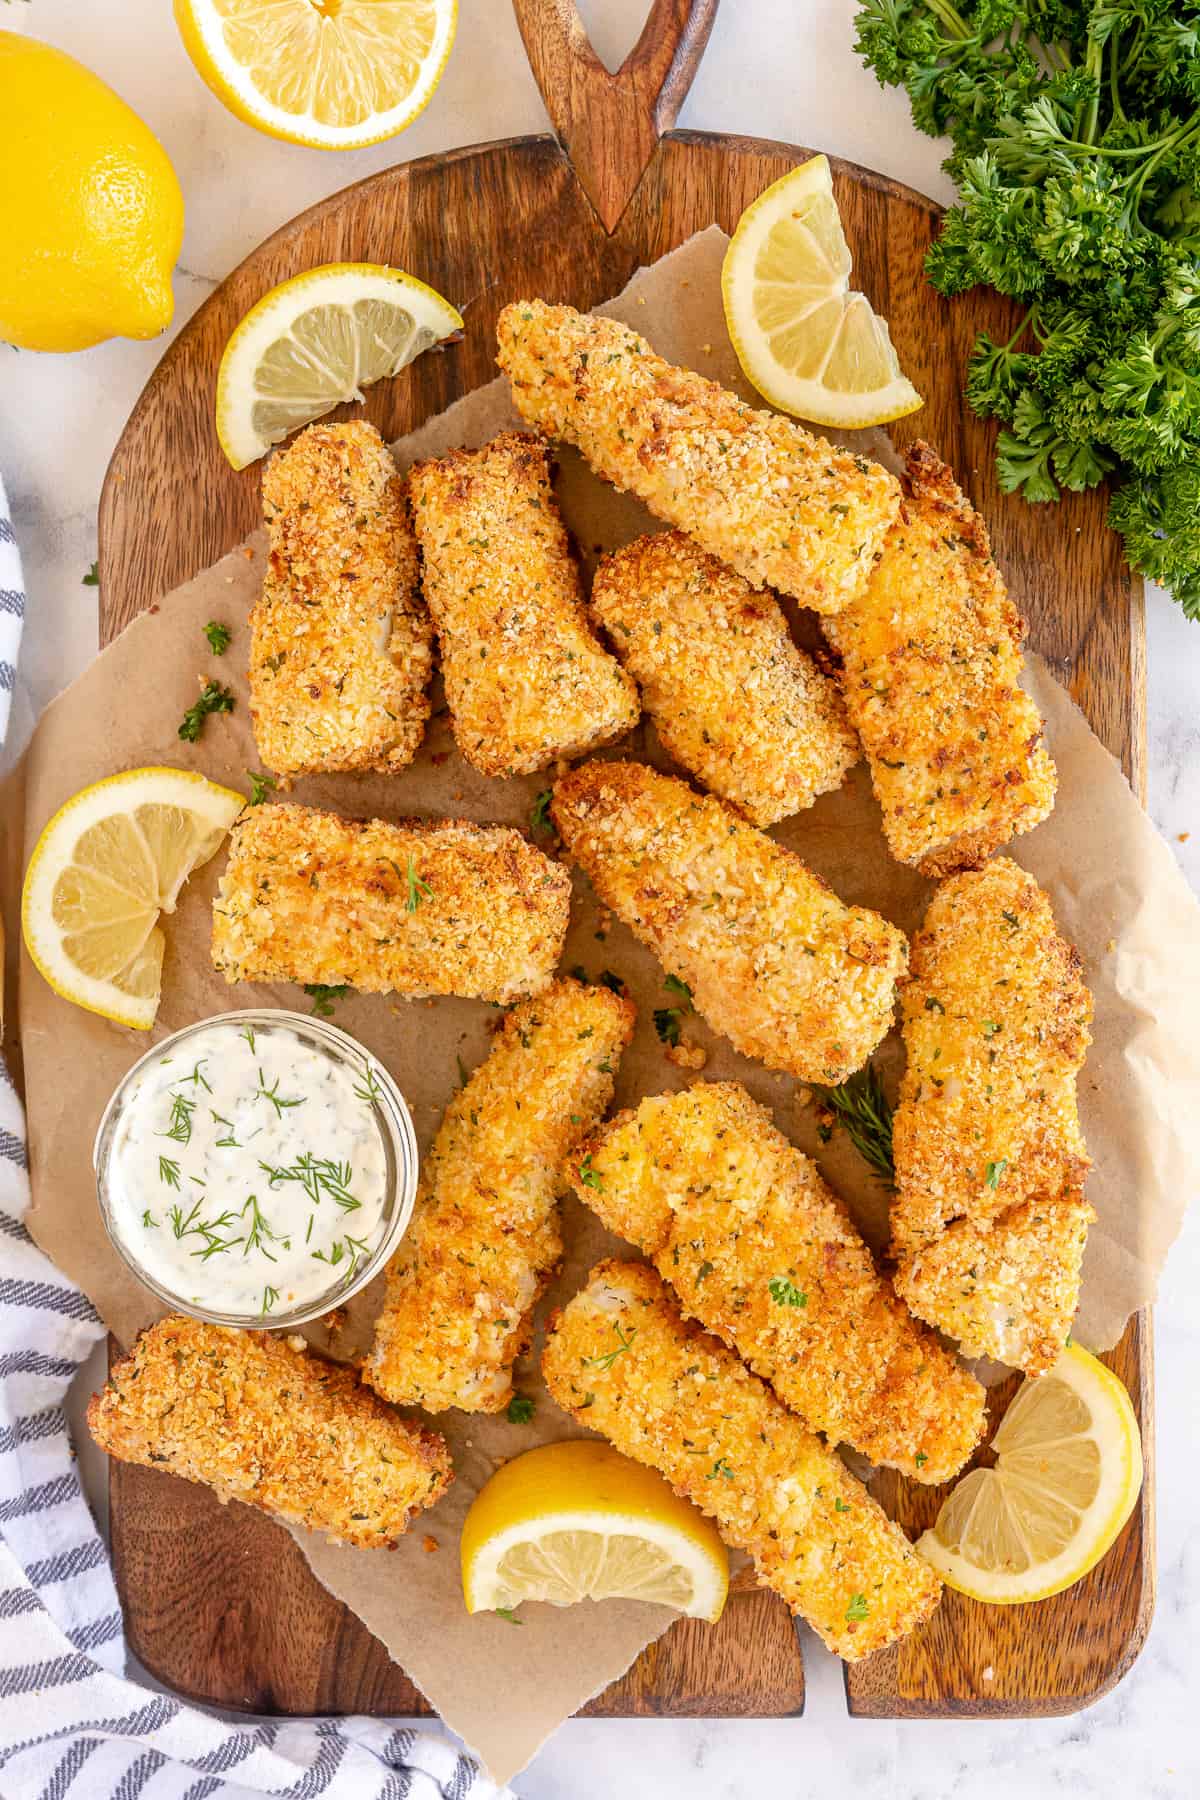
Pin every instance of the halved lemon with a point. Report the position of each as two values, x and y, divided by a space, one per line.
335 74
1068 1471
317 340
809 345
578 1521
108 863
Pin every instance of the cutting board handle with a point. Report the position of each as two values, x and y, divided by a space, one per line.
610 124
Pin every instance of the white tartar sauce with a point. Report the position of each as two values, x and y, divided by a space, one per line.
247 1172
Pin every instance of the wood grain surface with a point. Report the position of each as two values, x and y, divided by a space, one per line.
219 1603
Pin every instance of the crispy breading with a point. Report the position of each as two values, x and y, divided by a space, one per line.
765 1256
414 908
341 646
780 506
989 1219
526 680
732 698
485 1234
931 659
774 960
621 1359
259 1420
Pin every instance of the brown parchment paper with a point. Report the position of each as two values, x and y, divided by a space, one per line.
1116 890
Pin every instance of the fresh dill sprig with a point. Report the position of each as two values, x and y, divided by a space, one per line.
263 1092
259 1231
168 1171
862 1109
368 1088
180 1127
229 1141
317 1175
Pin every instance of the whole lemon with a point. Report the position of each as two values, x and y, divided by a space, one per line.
91 215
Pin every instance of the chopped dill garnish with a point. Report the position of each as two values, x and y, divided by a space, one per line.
418 890
180 1127
623 1343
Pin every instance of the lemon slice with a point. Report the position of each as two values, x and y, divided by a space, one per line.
578 1521
1068 1471
317 340
108 863
336 74
809 345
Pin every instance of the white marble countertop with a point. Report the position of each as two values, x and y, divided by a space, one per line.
775 68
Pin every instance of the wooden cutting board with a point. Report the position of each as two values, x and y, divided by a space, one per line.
219 1603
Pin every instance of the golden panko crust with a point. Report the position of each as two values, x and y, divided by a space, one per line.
764 1255
989 1219
780 506
485 1234
412 908
526 681
258 1420
931 661
621 1360
341 646
733 699
774 959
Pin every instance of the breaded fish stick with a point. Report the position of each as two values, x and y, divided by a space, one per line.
732 698
931 658
759 1250
256 1420
774 960
989 1221
780 506
621 1360
526 681
341 646
414 908
485 1235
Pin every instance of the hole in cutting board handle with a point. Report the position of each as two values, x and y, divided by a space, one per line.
609 124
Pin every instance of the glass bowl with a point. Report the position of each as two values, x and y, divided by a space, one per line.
397 1139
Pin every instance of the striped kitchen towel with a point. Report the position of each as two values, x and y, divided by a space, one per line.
71 1726
12 610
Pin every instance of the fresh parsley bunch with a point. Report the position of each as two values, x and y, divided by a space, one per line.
1076 133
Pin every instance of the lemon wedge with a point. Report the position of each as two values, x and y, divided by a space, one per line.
317 340
1068 1471
809 345
108 863
577 1521
336 74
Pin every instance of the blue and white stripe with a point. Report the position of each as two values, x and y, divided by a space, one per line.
12 610
71 1726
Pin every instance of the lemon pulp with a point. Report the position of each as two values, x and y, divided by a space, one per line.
108 864
575 1521
317 340
807 342
1068 1471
